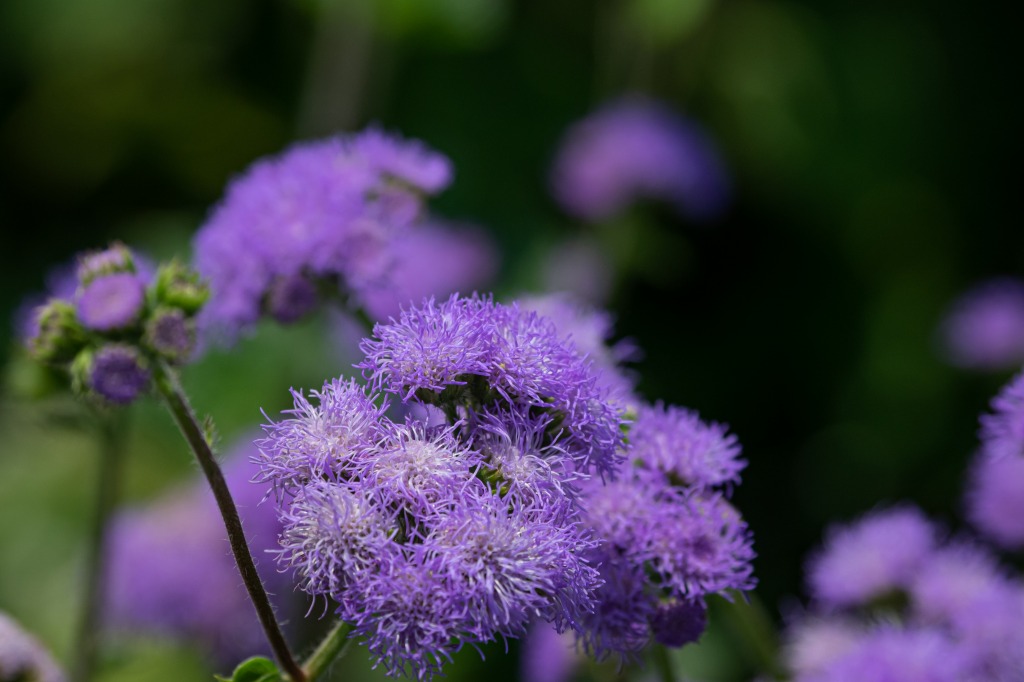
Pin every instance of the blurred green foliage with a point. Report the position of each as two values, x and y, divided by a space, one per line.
871 145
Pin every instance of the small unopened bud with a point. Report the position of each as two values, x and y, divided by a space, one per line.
111 302
171 334
117 373
179 286
59 336
679 621
110 261
289 299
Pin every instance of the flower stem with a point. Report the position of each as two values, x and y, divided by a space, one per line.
170 388
111 442
332 646
663 662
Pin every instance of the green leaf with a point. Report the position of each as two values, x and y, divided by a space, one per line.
255 669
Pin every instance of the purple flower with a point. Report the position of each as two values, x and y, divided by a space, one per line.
518 355
434 259
547 655
954 577
812 643
22 657
322 439
688 451
995 499
111 302
889 654
171 334
171 572
329 211
118 374
638 149
878 554
984 328
1002 433
679 621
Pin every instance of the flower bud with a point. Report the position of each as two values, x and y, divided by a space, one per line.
179 286
59 335
116 373
289 299
111 302
679 621
171 334
116 259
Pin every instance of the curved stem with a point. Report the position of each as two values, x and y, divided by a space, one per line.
332 646
663 663
170 388
111 443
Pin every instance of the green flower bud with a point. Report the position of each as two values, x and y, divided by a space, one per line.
179 286
60 336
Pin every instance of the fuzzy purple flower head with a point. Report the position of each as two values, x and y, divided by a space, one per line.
320 218
118 374
984 328
995 499
638 149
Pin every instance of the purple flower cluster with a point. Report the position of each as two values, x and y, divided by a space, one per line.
322 217
481 513
942 610
171 572
669 537
22 657
638 149
984 328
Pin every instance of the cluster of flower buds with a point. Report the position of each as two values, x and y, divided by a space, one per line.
121 320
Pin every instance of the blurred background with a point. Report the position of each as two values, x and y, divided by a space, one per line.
870 147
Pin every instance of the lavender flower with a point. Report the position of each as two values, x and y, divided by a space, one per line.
995 499
111 302
486 352
22 657
984 328
329 211
171 572
637 148
434 259
867 560
118 374
1002 433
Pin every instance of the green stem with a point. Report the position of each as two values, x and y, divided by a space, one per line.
89 626
663 663
750 622
170 388
332 647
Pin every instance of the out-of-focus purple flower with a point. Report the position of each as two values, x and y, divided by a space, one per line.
638 149
331 211
954 577
984 328
813 643
1002 433
118 374
870 558
111 302
547 655
433 259
995 499
171 571
890 654
24 658
679 621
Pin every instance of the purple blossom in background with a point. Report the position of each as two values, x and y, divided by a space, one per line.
995 499
330 211
171 572
1002 432
24 658
871 558
984 328
434 259
634 149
